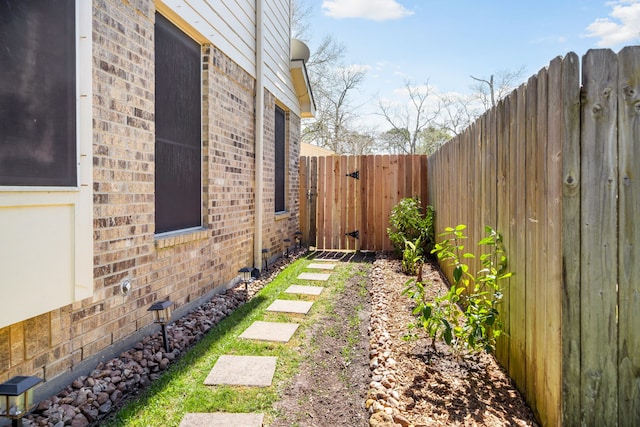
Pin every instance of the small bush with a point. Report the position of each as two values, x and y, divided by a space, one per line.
467 316
408 223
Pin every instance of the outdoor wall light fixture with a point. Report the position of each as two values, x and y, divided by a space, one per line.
246 276
16 398
265 259
286 245
161 314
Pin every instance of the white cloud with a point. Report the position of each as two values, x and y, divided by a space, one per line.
358 68
623 24
376 10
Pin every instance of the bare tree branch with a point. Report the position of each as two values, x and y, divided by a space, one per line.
498 86
409 120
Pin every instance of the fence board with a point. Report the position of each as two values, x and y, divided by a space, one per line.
374 202
571 238
366 202
382 213
371 202
424 180
517 251
343 212
405 175
629 236
475 141
304 199
598 234
531 233
504 204
553 238
336 208
321 204
354 201
313 202
542 352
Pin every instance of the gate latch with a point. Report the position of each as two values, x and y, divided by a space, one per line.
354 234
355 174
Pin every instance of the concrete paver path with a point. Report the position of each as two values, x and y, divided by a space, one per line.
270 331
242 370
321 277
290 306
220 419
304 290
322 266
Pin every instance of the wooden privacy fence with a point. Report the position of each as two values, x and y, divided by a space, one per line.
555 167
345 201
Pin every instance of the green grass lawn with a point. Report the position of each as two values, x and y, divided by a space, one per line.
181 390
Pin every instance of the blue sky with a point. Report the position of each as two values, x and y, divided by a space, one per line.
445 41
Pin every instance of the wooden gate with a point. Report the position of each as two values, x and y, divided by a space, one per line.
345 201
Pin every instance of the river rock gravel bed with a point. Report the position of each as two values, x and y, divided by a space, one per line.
413 386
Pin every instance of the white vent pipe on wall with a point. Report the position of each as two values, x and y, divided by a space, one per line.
259 134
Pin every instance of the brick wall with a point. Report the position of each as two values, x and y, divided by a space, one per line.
183 267
283 225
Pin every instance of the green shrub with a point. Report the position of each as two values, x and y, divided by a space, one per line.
408 223
467 316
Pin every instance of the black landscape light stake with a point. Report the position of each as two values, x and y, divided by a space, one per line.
265 259
298 235
246 277
16 398
286 241
161 314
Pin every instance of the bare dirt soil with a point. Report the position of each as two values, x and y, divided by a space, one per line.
387 381
331 386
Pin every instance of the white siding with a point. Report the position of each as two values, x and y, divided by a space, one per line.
230 25
277 53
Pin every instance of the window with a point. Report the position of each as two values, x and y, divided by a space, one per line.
46 137
178 129
280 161
37 93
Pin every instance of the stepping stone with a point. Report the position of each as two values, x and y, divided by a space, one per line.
304 290
322 266
322 277
270 331
243 370
221 419
289 306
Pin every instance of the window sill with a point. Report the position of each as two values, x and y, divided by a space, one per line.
282 215
175 238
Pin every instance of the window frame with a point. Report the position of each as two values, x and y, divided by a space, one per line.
280 208
80 120
186 33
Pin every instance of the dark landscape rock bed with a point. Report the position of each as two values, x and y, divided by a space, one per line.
91 398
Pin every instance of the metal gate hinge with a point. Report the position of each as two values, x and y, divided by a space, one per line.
354 234
355 174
